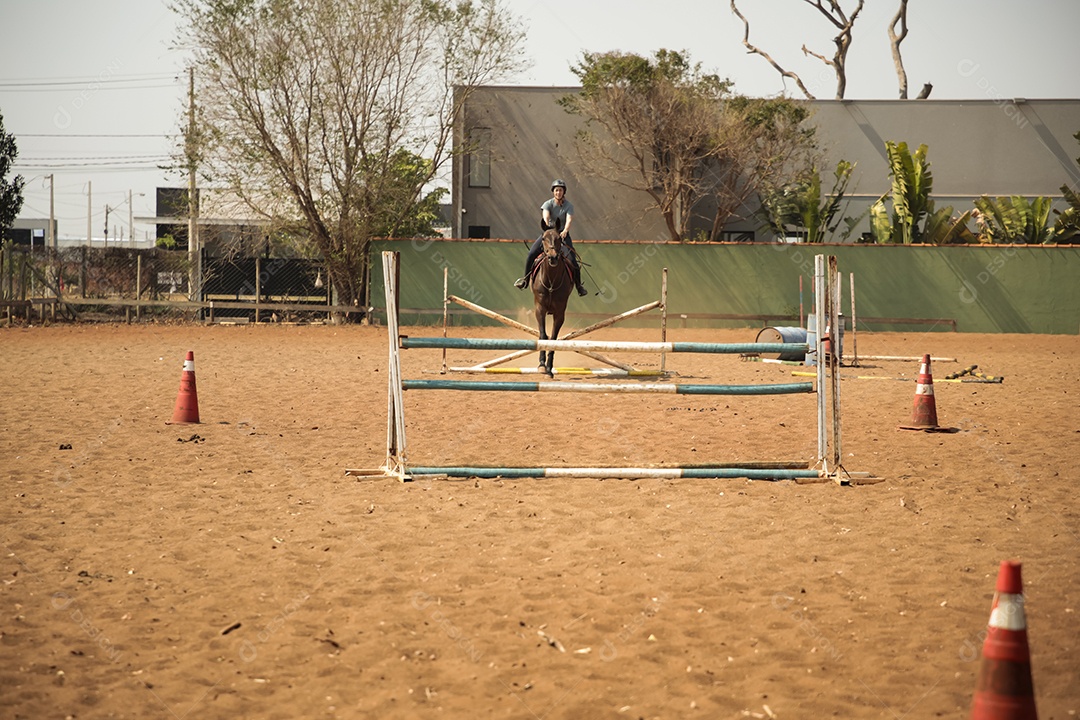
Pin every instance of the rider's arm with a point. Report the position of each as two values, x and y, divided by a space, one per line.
566 225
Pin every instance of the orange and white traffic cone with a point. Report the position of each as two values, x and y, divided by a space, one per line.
924 408
187 400
1003 689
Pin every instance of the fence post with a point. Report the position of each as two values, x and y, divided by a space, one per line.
329 299
138 286
258 286
82 274
57 274
5 280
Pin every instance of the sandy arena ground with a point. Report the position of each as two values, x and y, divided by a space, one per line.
231 570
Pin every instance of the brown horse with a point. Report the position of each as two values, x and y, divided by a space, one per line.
552 281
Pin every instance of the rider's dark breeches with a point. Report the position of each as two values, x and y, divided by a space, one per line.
538 247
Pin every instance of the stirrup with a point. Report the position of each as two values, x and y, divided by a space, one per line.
521 282
581 291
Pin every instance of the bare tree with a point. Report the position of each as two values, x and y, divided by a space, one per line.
766 141
894 43
664 127
650 126
329 117
843 22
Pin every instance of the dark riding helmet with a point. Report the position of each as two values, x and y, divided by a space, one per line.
558 183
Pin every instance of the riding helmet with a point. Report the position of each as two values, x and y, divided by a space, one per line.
558 183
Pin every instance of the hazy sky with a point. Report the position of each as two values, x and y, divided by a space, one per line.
95 93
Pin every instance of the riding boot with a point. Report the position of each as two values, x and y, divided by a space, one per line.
581 291
522 282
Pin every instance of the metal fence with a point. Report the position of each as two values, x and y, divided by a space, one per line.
124 284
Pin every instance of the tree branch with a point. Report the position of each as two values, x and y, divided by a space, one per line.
894 42
757 51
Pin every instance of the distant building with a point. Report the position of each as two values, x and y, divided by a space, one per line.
30 232
222 227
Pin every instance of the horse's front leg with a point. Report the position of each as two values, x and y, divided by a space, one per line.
541 325
556 325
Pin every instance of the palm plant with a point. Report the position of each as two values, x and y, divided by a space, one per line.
800 205
912 183
1015 219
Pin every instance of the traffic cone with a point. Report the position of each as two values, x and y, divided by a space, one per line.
1003 689
924 409
187 400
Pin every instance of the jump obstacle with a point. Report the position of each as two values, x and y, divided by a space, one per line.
616 369
826 466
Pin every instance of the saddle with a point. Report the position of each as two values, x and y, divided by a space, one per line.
567 266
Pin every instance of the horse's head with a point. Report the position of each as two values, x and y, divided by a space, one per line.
552 243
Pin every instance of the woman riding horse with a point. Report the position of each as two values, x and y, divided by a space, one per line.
551 289
557 214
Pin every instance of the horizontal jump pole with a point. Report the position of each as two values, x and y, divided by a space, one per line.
659 388
617 472
574 345
601 372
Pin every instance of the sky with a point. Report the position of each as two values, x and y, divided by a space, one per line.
95 92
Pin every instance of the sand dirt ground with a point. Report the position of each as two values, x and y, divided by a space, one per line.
231 570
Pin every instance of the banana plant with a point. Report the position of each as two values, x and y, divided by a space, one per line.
800 205
912 183
911 186
1067 225
1015 219
881 227
942 228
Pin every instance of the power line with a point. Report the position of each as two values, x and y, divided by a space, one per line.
76 87
93 157
86 135
98 80
105 165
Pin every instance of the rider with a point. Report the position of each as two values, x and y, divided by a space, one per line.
558 213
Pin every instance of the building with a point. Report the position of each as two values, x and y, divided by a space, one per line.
519 139
31 232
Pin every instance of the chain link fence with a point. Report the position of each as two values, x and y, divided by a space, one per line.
126 284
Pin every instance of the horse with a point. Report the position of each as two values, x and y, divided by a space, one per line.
552 281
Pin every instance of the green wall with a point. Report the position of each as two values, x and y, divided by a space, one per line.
990 289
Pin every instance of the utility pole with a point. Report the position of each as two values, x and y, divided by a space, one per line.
194 254
52 214
106 226
89 215
131 220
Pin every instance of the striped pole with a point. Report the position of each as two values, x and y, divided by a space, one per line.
631 473
658 388
408 343
599 372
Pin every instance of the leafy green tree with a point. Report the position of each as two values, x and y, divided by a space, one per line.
328 118
11 196
167 242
